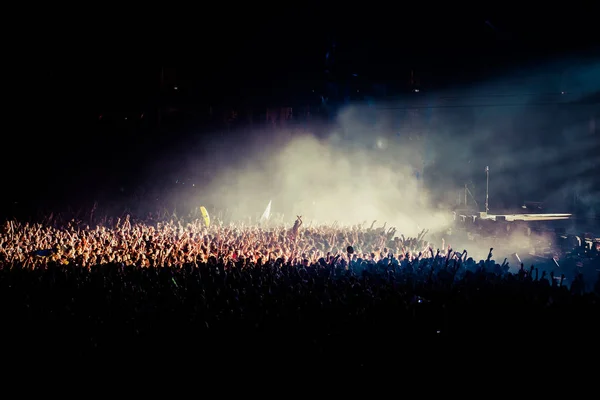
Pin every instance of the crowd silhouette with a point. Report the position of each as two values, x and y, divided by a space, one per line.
271 293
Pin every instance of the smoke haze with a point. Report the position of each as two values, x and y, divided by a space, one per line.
325 182
535 129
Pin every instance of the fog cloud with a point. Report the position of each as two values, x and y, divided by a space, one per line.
407 161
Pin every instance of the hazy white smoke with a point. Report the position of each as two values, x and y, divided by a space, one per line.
363 167
348 176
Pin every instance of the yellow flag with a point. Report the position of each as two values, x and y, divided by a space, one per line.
205 216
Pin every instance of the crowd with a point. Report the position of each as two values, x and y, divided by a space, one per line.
283 293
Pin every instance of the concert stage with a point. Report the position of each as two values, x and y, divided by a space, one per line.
524 217
506 224
474 218
562 226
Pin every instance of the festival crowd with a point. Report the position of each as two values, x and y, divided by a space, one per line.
271 291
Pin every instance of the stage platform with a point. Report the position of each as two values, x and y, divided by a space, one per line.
562 224
482 216
525 217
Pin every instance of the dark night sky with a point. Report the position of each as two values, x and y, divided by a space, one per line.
112 61
71 71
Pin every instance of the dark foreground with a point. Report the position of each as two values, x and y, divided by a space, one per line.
278 316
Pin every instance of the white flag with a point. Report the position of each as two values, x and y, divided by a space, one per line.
267 213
